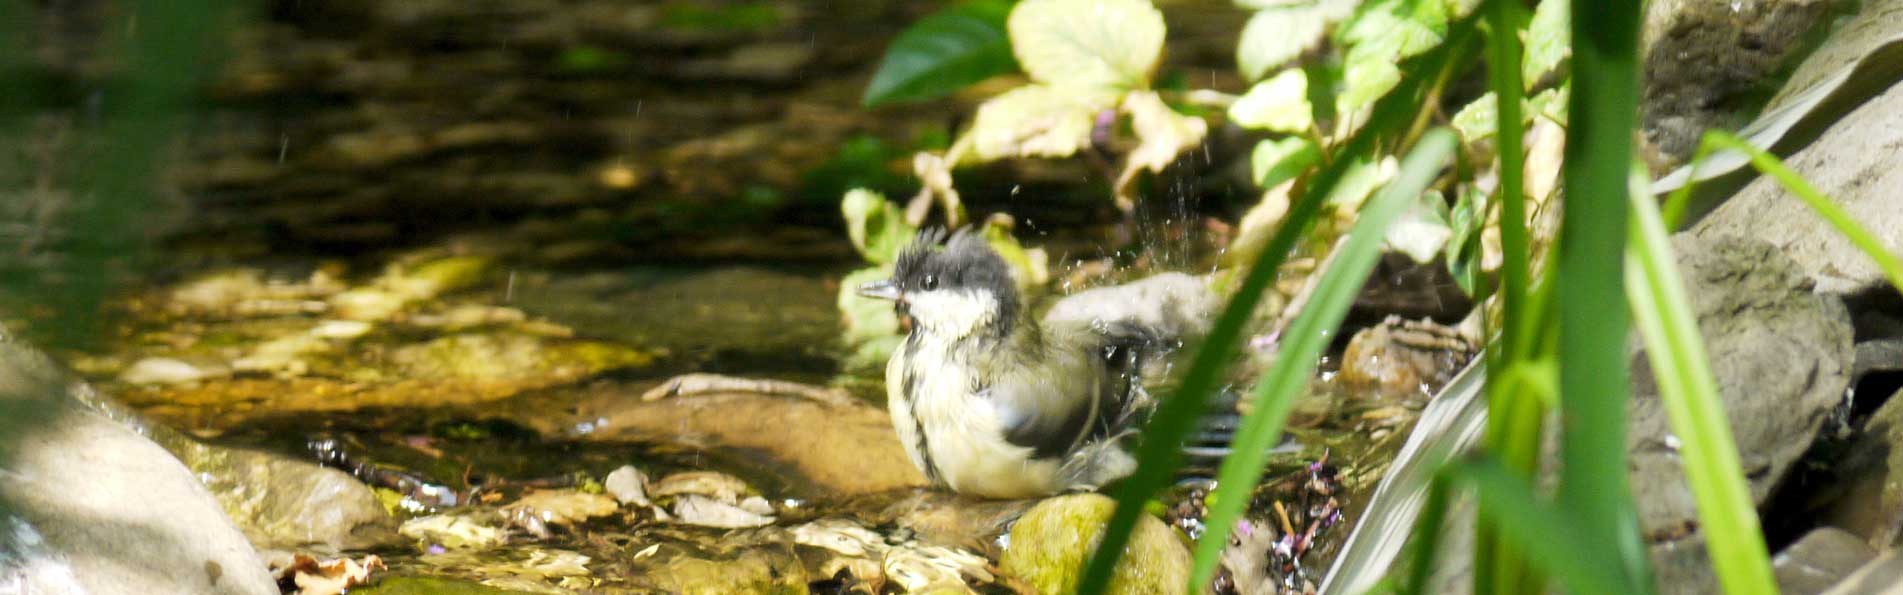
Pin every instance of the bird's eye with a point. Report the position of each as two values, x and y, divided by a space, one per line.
930 283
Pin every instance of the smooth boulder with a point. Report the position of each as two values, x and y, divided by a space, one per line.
89 506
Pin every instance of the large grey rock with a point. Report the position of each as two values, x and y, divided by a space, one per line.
1781 355
89 506
1855 164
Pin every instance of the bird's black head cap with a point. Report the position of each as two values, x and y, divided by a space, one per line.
963 262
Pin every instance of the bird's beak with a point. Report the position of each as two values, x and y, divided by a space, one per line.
882 289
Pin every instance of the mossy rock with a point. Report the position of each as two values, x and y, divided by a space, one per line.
1051 541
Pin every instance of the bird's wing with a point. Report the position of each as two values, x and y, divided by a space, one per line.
1050 409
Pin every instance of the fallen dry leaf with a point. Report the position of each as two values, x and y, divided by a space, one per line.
332 577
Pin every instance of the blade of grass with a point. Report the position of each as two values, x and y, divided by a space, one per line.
1592 336
1519 422
1887 261
109 222
1311 332
1554 541
1690 394
1159 455
1503 65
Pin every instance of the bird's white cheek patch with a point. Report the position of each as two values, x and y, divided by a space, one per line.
952 313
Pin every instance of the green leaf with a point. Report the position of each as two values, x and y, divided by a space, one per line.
1393 30
1362 177
1467 220
1478 120
1380 36
1312 331
1548 40
1278 161
1550 104
876 226
1102 44
1276 35
871 326
1036 121
1366 81
1279 104
944 52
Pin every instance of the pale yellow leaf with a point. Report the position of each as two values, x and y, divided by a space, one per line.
1032 121
1279 104
1087 43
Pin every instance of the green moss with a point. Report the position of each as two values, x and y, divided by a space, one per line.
418 585
1051 541
445 275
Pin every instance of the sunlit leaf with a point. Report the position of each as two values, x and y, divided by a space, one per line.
1358 182
944 52
1423 231
1366 81
1276 35
1379 36
1478 120
1279 104
1113 44
1393 30
876 226
1548 40
1276 161
1550 104
1036 121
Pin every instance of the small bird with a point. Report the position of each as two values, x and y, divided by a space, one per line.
993 403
